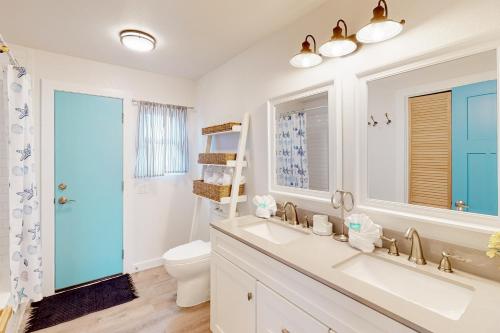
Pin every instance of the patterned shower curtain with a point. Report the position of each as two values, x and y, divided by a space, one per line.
291 150
24 240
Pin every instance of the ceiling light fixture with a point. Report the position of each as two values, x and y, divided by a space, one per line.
137 40
380 27
339 45
306 58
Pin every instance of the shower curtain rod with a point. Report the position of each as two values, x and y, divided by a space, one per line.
4 48
137 101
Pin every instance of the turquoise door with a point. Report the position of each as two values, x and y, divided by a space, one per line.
474 147
88 188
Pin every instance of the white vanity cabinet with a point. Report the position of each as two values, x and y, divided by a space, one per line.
277 315
253 293
234 292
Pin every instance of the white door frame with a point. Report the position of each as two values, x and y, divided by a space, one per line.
47 195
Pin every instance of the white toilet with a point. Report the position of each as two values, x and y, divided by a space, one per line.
190 265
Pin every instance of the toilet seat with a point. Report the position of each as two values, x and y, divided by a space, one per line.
188 253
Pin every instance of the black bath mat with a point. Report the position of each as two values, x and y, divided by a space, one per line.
78 302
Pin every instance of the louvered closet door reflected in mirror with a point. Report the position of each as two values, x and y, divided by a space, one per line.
429 139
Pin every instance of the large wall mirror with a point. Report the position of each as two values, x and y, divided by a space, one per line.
303 151
431 135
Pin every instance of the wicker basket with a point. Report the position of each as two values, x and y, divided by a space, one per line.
219 128
212 191
216 158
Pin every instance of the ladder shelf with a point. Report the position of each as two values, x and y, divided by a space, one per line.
238 164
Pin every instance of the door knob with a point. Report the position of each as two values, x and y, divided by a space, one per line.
63 200
461 205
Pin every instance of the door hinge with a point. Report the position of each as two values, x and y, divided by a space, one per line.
123 186
123 254
123 117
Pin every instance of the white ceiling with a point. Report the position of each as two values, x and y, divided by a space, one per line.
194 36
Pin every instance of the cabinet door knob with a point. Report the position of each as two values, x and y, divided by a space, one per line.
249 296
285 331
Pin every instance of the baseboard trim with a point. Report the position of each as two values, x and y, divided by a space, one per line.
147 264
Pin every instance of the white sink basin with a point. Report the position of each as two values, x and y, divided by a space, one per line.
445 297
275 232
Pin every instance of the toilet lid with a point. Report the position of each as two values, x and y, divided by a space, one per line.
188 253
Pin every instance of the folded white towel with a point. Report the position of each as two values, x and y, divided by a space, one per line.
363 233
266 206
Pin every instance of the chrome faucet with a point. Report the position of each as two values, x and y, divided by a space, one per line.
294 220
416 252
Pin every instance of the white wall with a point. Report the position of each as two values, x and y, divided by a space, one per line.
157 213
262 72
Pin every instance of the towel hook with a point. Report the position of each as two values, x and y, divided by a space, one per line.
373 122
388 119
338 200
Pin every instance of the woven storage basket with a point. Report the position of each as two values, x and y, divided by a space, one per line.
212 191
219 128
216 158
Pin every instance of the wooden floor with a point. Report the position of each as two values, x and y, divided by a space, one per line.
154 311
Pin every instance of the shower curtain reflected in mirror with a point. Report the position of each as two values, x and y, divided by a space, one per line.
25 253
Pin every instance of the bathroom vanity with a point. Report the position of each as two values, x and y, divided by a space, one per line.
267 276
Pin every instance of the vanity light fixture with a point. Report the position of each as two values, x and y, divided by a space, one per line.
137 40
380 27
306 58
339 44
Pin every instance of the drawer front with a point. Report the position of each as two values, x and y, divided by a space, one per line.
276 315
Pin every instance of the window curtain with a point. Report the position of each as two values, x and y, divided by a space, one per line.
24 215
162 143
291 150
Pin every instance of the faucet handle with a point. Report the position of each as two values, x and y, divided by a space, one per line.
445 263
393 247
306 223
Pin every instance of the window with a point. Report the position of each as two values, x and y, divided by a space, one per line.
162 143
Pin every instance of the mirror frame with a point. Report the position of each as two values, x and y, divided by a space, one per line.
334 143
462 220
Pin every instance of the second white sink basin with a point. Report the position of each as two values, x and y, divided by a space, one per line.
275 232
445 297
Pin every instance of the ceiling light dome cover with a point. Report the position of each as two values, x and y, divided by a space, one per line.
137 40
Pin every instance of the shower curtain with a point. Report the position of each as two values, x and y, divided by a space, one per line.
24 216
291 150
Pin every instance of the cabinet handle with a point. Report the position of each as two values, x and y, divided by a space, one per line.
249 296
285 331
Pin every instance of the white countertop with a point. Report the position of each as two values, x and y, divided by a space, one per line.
315 257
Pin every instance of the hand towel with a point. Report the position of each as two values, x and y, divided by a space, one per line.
266 206
363 233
